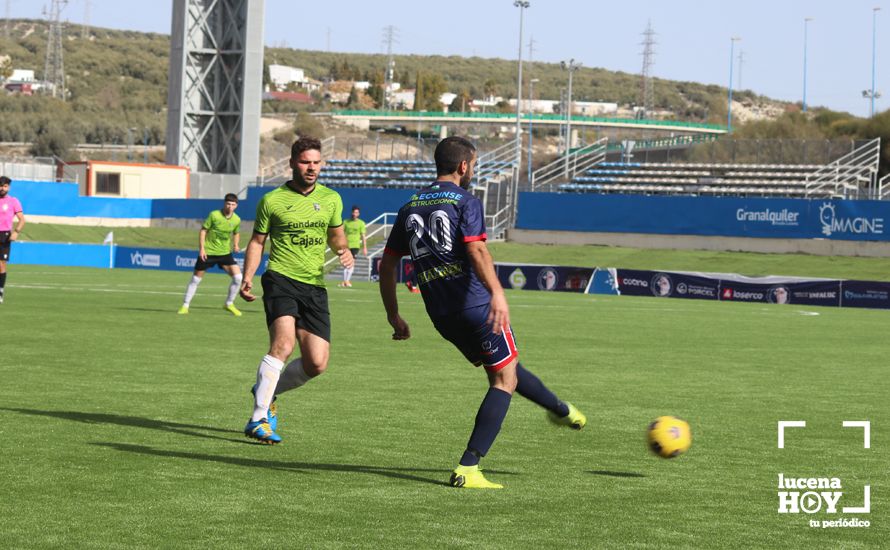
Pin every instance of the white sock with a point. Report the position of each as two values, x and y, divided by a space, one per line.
292 377
190 290
266 378
347 273
233 288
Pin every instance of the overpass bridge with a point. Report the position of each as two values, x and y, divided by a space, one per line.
403 117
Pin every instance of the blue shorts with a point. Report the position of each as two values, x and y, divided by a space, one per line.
469 331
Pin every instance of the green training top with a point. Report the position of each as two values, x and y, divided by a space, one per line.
354 230
218 241
298 225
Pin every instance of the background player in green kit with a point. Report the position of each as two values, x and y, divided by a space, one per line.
355 238
216 240
299 218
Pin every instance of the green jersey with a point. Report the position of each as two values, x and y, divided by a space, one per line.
298 225
220 229
354 230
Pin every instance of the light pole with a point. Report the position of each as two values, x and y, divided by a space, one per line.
732 42
531 98
806 22
522 5
874 26
570 66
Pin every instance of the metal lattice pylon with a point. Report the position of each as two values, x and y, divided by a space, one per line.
216 61
647 100
54 68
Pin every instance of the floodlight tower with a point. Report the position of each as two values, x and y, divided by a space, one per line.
648 61
522 5
732 42
215 92
806 25
874 40
54 67
571 66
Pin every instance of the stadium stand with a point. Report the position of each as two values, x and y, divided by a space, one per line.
761 180
852 175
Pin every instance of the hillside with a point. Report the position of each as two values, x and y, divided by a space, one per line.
118 80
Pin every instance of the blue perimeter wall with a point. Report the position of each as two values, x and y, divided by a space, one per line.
40 198
855 220
707 216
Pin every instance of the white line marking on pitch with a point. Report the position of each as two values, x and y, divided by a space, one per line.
120 291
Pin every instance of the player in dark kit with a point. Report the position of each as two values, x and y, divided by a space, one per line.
443 229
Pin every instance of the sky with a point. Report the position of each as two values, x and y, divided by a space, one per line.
693 36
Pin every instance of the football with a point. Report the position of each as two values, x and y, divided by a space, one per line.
669 436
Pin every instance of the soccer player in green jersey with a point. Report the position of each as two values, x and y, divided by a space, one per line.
299 218
355 238
218 237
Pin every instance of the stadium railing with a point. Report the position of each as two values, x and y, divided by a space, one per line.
568 166
849 175
383 224
555 118
32 169
883 188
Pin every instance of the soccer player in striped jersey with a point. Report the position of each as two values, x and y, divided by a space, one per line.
442 227
299 218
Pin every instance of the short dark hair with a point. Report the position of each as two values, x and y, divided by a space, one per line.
231 197
4 180
355 207
305 143
450 152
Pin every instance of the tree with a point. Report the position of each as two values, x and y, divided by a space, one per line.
489 88
51 141
430 88
5 68
375 91
461 101
353 101
308 125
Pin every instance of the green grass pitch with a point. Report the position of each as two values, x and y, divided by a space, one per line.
121 423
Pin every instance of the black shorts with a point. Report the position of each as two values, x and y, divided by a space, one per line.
354 252
308 304
5 245
224 260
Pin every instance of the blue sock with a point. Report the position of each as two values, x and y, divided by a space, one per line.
488 423
531 388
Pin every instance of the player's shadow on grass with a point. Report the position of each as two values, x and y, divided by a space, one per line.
608 473
385 471
133 421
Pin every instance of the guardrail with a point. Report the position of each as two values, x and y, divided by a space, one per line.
665 143
883 191
566 167
385 225
844 178
554 118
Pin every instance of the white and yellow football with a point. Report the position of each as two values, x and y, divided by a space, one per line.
669 436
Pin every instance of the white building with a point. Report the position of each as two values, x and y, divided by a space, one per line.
580 108
21 75
282 75
403 99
